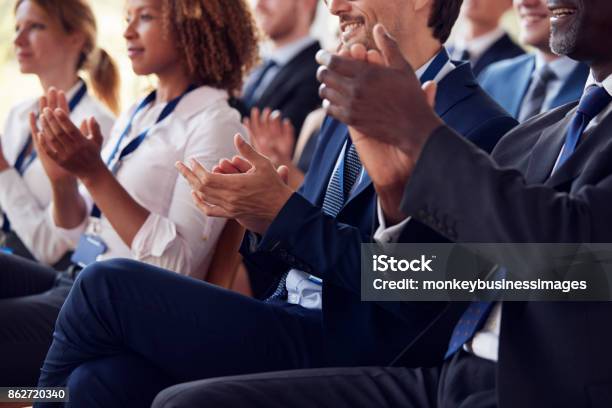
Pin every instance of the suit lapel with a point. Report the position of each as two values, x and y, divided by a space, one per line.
287 72
521 77
577 161
455 87
546 151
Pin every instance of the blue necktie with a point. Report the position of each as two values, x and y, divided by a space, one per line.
339 189
249 93
593 102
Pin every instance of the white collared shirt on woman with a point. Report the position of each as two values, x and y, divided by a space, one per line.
25 199
176 235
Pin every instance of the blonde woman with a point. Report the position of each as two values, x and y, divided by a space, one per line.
56 41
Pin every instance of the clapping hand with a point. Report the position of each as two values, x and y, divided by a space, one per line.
271 135
365 89
247 188
64 148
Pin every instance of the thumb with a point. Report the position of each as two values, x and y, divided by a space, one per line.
430 88
283 172
247 151
389 48
95 132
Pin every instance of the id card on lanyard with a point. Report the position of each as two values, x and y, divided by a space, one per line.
91 246
28 153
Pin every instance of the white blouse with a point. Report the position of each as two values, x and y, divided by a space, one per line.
25 198
176 235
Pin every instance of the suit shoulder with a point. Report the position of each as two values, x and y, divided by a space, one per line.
525 135
501 69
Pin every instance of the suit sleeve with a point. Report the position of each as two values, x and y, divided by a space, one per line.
331 252
482 202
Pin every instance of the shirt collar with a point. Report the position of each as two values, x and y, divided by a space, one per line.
478 46
286 53
607 83
198 100
445 70
562 67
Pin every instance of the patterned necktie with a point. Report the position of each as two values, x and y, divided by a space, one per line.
249 93
338 190
594 100
536 95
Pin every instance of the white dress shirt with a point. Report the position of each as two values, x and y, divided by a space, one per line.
25 198
478 46
305 290
176 236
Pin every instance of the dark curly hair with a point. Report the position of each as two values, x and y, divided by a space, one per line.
217 39
444 14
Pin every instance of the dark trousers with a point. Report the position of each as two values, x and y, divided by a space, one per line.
31 296
128 330
465 381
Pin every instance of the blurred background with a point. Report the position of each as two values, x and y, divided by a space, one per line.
15 87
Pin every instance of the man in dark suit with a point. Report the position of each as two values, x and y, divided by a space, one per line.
530 84
482 41
309 321
549 180
286 80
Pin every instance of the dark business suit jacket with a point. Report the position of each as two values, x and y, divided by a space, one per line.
508 82
502 49
302 237
294 91
550 354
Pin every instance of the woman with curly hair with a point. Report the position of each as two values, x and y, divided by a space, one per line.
132 202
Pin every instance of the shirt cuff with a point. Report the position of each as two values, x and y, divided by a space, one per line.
153 237
384 234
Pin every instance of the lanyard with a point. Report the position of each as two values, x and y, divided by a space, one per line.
24 160
135 144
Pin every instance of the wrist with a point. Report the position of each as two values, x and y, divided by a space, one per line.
390 202
413 146
95 176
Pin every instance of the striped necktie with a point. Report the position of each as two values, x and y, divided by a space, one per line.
339 189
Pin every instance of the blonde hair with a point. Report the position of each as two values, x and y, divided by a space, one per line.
76 16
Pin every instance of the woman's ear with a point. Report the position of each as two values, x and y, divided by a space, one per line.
76 41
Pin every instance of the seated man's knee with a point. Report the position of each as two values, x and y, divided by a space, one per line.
205 393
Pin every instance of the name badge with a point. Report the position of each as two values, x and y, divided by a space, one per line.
89 249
